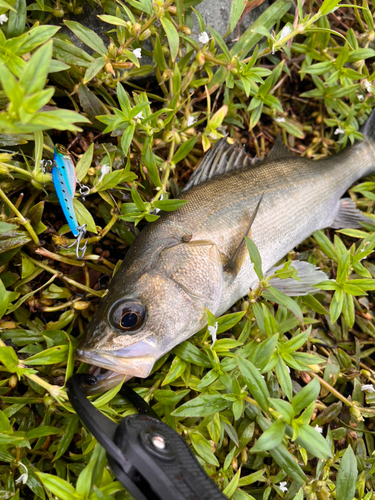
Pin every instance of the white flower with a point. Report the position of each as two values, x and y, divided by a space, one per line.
104 171
285 32
203 37
281 119
213 331
339 131
360 97
137 53
23 477
367 85
138 115
213 135
283 486
367 388
318 429
191 120
3 18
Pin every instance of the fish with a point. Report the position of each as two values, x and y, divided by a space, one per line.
64 180
195 258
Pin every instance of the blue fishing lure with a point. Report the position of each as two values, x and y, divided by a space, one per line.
65 180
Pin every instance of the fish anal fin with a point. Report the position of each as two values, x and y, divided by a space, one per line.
308 274
348 216
239 256
279 150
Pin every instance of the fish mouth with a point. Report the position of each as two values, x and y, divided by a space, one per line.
135 360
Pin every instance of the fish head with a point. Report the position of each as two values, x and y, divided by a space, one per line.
152 304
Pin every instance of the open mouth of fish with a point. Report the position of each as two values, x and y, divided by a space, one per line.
135 360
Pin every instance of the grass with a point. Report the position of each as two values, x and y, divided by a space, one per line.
303 71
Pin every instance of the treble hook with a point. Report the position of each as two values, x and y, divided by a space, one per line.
80 251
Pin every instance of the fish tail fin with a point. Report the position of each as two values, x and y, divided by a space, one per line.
368 129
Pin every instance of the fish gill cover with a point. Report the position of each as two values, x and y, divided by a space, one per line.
276 397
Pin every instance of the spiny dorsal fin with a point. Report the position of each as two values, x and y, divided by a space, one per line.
221 158
279 150
238 258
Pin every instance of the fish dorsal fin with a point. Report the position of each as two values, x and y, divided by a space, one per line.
220 159
238 258
279 150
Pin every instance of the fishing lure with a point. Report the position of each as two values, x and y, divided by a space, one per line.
65 181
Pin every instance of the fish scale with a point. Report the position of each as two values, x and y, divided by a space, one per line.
179 265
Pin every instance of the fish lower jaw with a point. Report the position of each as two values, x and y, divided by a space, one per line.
137 367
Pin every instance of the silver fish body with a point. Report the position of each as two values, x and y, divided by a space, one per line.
178 266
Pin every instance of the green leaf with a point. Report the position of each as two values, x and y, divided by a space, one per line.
190 353
313 442
85 479
172 35
284 408
127 138
93 69
59 487
88 37
221 43
66 439
17 19
4 301
325 244
283 376
271 438
343 268
9 358
184 150
57 354
347 476
254 257
275 295
255 382
306 396
34 76
84 163
228 321
84 216
169 205
237 8
45 430
202 406
149 161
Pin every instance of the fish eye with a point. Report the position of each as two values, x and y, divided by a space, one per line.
127 315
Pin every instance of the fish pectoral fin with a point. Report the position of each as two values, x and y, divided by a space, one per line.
279 150
307 273
237 260
348 216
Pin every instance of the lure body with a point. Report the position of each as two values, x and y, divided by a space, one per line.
64 179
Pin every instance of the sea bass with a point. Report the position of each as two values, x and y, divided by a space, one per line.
195 258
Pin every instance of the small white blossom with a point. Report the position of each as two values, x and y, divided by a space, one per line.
23 477
283 486
360 97
339 131
367 85
318 429
191 120
285 32
281 119
138 115
203 37
367 388
138 53
213 135
212 330
3 18
104 171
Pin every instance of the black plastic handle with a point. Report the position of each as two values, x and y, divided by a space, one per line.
149 458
